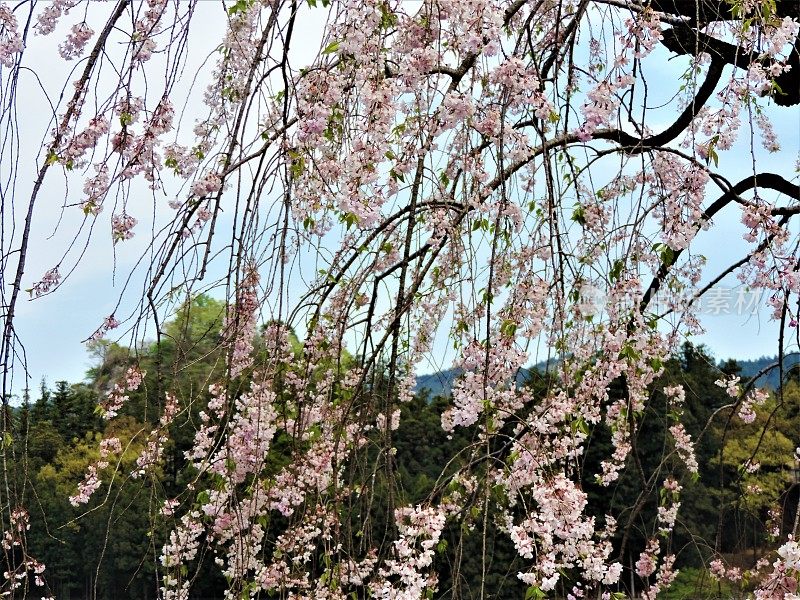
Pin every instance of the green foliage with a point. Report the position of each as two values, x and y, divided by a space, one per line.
773 452
121 528
111 530
696 584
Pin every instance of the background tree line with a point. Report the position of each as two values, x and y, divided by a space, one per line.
107 548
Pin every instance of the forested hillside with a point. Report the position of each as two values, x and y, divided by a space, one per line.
762 369
107 546
771 376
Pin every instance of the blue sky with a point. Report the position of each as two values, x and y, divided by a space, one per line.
53 327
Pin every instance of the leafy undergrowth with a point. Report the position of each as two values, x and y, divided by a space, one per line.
697 584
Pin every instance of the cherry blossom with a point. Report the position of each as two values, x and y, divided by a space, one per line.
10 39
73 46
475 184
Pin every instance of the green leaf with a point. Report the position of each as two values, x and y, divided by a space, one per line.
616 270
331 48
349 219
508 328
480 224
298 165
629 351
388 18
578 215
712 154
580 425
534 593
240 7
666 253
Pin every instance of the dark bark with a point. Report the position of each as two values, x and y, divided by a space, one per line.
716 10
683 39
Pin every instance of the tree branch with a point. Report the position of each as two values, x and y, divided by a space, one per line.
762 180
686 40
638 145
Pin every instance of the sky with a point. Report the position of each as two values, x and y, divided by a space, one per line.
53 327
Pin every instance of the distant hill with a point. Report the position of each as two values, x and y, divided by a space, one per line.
440 383
437 384
750 368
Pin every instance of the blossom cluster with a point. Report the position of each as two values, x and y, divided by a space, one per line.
239 326
109 323
91 479
118 395
48 19
19 571
47 283
420 529
154 446
10 38
122 226
76 41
